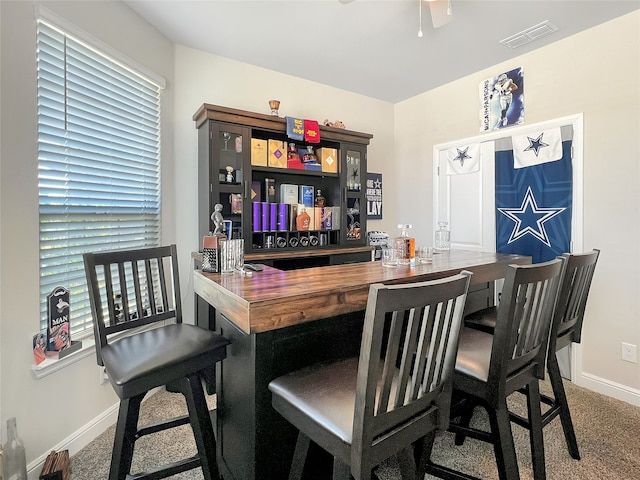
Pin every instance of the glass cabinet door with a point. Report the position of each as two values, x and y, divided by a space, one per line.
353 221
353 171
228 168
230 153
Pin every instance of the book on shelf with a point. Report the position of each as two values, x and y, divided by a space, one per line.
306 195
288 193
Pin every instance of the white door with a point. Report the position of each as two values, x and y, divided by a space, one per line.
466 202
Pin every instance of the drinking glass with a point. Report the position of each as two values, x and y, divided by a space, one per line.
238 254
425 255
389 257
226 256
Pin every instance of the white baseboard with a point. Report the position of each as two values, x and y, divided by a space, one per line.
77 440
599 384
609 388
81 437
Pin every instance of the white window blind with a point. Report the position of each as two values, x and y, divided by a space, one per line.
98 163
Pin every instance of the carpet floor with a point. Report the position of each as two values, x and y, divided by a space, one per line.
607 432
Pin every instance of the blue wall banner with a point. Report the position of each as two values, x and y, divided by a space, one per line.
534 202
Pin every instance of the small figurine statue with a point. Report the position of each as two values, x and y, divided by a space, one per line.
336 124
229 170
218 220
274 105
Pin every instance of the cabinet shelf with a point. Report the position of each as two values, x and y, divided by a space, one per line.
293 171
220 128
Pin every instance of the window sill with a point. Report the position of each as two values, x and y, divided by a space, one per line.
52 365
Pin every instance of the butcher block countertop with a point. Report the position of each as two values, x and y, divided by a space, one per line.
273 299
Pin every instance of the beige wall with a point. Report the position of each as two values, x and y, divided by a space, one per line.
56 409
580 74
575 75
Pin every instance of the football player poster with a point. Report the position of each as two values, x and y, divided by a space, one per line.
502 100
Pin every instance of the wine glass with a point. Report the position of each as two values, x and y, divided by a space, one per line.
227 137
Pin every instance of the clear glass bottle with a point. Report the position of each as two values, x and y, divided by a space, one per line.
405 246
443 237
14 460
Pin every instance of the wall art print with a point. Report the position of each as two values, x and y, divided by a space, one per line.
502 100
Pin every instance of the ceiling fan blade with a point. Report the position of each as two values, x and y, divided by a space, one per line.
441 13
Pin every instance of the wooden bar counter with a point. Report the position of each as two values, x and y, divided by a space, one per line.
279 321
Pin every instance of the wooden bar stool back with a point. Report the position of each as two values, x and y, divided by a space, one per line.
489 368
566 329
365 410
143 344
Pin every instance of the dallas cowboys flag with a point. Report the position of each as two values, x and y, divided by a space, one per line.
464 159
537 148
534 198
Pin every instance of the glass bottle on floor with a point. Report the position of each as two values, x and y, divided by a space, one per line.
14 460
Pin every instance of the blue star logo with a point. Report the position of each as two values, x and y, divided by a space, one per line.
530 219
536 144
462 156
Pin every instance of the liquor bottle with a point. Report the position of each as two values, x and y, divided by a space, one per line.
405 246
14 461
292 153
442 237
309 157
303 220
320 200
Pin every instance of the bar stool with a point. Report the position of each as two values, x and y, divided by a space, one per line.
489 368
566 329
130 289
365 410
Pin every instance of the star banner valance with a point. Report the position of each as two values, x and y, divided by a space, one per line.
464 159
537 148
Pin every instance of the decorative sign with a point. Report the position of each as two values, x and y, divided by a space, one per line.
502 100
374 196
58 332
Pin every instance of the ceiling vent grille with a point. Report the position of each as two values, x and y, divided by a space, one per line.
530 34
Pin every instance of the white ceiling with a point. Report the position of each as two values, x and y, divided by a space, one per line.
370 47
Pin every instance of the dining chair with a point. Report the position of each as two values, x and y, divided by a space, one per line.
489 368
566 329
142 344
364 410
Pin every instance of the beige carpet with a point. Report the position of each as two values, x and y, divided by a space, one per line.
608 434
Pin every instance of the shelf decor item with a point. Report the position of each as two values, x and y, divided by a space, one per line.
274 105
229 177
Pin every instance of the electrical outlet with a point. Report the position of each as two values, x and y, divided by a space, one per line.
104 378
629 352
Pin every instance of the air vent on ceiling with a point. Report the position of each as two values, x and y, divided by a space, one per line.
530 34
